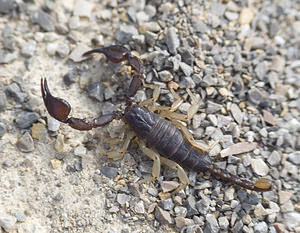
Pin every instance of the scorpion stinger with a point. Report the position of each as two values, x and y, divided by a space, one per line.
117 54
59 109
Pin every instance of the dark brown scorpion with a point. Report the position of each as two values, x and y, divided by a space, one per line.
154 131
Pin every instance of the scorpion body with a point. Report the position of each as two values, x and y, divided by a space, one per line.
157 133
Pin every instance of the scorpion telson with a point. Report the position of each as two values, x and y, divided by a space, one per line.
155 132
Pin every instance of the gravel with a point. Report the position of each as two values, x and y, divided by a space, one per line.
240 59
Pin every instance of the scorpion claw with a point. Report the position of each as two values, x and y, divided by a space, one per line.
58 108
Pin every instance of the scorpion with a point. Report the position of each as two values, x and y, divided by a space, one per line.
158 136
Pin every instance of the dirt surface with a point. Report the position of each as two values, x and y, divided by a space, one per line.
56 180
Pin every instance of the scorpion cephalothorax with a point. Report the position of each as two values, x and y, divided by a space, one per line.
164 137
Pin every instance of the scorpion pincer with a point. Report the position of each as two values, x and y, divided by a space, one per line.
155 132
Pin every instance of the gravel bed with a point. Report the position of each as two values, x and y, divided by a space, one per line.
240 58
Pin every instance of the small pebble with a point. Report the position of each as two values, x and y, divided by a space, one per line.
212 223
294 157
16 93
59 143
172 40
223 223
109 172
28 48
125 33
76 54
53 124
182 222
259 167
39 131
274 158
7 222
25 143
139 207
246 16
82 8
20 216
237 113
163 216
25 120
168 186
238 148
3 101
43 19
122 198
80 151
269 118
2 130
55 163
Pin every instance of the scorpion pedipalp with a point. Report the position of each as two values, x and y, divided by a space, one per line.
59 109
117 54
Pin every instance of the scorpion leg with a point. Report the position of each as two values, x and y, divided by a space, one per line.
59 109
156 162
121 152
190 138
117 54
180 171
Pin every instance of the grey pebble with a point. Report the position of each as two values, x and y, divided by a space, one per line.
172 40
212 225
125 33
294 157
212 107
223 222
159 61
76 54
187 82
74 23
122 198
43 19
237 227
190 205
186 55
21 217
25 143
28 48
180 211
199 25
255 96
25 120
108 93
274 158
139 207
261 227
71 76
163 216
96 90
7 222
209 80
6 6
2 129
291 219
187 70
61 29
152 191
237 113
53 124
203 206
165 76
166 204
63 50
3 101
109 172
14 91
6 57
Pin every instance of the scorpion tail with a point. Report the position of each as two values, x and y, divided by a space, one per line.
261 185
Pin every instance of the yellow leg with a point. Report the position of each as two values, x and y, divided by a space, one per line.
156 162
190 138
120 153
155 95
180 171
